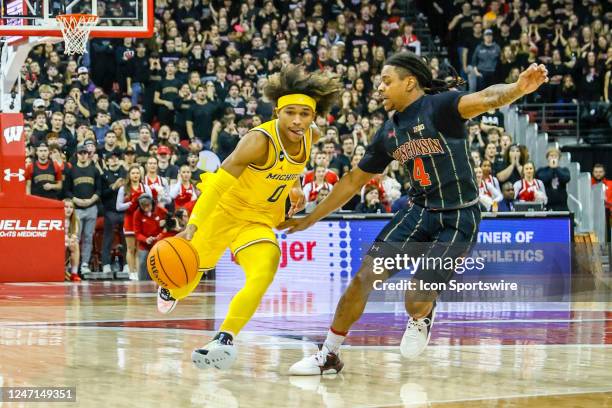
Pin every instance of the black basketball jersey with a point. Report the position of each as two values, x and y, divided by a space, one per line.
429 138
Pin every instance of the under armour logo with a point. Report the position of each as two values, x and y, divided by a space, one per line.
281 156
13 134
375 248
391 134
20 174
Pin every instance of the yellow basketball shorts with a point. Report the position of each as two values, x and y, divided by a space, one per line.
223 230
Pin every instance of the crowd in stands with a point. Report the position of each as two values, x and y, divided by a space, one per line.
119 135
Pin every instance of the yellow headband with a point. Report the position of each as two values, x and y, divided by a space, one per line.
296 99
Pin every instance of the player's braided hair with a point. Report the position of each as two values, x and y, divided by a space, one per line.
418 67
293 79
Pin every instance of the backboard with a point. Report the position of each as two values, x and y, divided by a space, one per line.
36 18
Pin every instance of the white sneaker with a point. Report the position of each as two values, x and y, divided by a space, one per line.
165 302
85 269
323 362
219 353
106 269
417 334
126 269
133 276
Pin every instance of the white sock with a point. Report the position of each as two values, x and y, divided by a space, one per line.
333 341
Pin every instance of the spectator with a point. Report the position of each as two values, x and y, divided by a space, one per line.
475 140
158 185
133 124
321 159
127 202
167 170
484 61
514 159
44 176
84 188
507 202
184 194
110 145
112 180
530 189
341 164
487 176
311 189
149 220
192 161
372 202
71 239
489 195
165 95
555 181
201 115
599 176
142 147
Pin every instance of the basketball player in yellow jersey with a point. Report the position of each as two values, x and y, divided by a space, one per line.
245 199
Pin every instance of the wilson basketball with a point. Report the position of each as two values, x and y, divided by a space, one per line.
173 263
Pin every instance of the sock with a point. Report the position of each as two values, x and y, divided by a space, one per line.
74 270
334 340
225 338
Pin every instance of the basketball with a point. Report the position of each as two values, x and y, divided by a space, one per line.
173 263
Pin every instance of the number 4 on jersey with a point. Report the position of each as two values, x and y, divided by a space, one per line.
419 173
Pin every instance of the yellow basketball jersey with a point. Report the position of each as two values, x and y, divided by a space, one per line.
261 191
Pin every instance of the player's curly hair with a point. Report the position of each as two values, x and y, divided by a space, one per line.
410 63
293 79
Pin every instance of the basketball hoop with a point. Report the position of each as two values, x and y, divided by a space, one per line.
75 29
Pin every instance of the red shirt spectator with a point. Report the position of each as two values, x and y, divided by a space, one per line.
330 177
148 226
184 193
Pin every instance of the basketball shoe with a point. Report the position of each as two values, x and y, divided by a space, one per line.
165 302
417 334
323 362
220 353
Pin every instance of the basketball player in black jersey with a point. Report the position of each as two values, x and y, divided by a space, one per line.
427 135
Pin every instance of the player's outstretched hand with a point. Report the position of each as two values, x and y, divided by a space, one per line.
298 201
190 229
530 79
294 225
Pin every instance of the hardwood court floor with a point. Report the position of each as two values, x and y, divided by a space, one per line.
108 340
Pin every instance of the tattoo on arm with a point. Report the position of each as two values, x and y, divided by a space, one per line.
500 95
492 97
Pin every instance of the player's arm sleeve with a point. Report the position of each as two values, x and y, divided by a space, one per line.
447 119
376 159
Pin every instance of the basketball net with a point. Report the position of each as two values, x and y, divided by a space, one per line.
75 29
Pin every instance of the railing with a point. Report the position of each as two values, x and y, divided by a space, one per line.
556 119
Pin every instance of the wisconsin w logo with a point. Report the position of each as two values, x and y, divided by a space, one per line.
13 134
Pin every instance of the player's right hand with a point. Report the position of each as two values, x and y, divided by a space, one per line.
294 225
187 234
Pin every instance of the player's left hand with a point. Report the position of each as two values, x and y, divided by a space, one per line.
530 79
298 201
294 225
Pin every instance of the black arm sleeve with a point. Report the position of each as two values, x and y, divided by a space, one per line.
376 158
447 119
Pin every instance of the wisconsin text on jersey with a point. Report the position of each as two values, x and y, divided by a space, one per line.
418 147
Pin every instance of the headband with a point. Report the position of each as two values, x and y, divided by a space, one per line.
296 99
